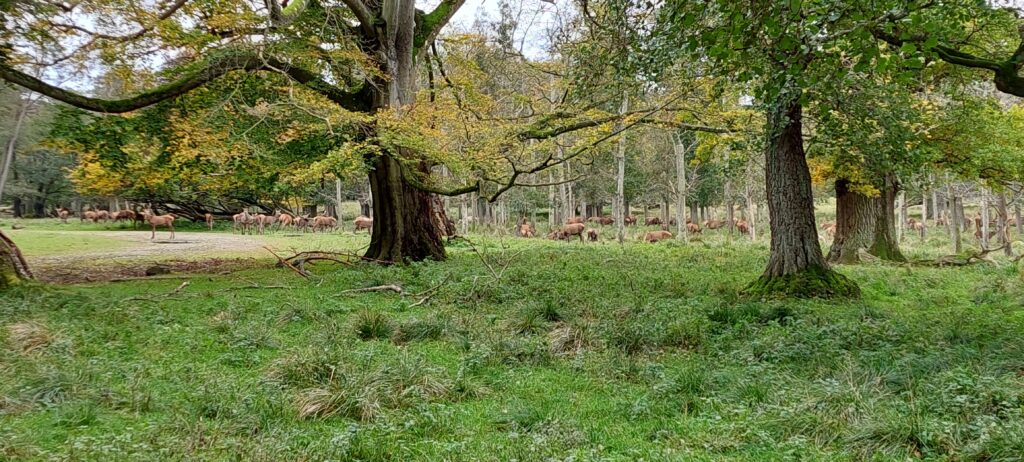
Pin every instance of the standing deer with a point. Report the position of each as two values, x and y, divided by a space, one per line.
242 221
160 220
362 222
63 215
209 221
324 223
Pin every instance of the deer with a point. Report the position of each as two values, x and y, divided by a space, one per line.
209 221
324 223
160 220
63 215
362 222
242 221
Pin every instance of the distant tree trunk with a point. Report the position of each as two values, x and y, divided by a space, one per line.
796 266
620 180
337 199
12 142
924 208
954 222
884 244
983 229
1017 217
680 151
17 207
855 224
1002 224
664 211
962 217
693 213
936 205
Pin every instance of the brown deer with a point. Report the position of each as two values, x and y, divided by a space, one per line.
323 223
242 221
63 215
209 221
362 222
160 220
655 236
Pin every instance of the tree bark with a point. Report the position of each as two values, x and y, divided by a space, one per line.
884 244
681 230
13 267
983 228
796 266
954 222
405 218
620 179
901 222
1003 223
1017 217
12 143
855 224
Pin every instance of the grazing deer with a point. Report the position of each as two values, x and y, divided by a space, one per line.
63 215
242 221
324 223
160 220
209 221
285 219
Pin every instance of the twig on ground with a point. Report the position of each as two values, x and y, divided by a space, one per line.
170 295
285 263
426 294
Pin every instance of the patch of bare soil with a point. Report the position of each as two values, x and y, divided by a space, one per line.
187 253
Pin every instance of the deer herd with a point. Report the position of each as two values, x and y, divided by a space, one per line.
248 223
576 227
243 222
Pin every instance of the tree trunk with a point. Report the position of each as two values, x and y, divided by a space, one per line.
1017 216
13 267
1003 226
983 228
12 143
901 222
681 231
884 244
954 222
403 228
855 224
796 266
620 180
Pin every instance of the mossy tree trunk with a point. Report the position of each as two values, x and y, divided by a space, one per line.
884 243
855 224
796 266
864 222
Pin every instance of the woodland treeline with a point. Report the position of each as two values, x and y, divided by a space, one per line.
680 109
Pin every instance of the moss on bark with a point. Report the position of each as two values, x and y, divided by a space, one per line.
813 282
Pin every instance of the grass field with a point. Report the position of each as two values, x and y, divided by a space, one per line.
527 350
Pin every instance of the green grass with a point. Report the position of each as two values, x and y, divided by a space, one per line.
578 352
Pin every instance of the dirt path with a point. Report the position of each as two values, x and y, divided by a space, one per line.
188 252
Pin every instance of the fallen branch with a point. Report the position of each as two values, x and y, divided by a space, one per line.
957 260
384 288
286 263
429 293
170 295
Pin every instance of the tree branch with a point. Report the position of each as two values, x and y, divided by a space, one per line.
1006 78
430 24
213 68
364 15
